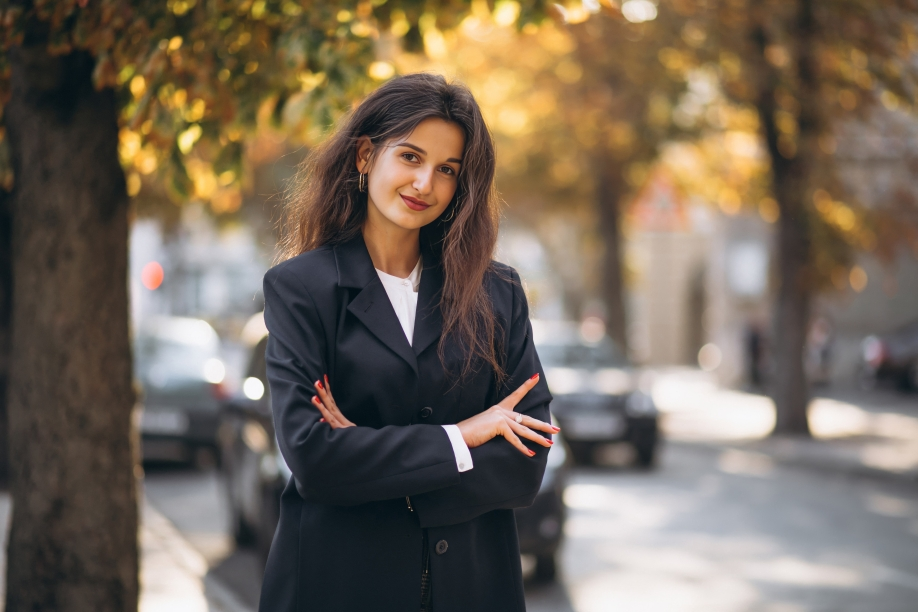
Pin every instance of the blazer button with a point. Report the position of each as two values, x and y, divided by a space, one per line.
441 547
426 411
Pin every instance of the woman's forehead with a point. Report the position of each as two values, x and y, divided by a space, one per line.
436 138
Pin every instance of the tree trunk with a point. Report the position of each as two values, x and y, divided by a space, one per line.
73 542
792 184
610 189
6 293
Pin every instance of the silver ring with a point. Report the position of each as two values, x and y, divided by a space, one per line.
519 417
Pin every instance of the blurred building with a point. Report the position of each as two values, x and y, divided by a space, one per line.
197 269
878 160
697 282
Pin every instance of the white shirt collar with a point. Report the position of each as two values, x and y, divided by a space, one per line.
414 278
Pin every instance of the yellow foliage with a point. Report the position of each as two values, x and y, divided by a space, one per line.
621 136
513 120
145 160
435 44
187 138
569 71
138 86
179 98
729 200
381 71
858 278
889 100
133 184
506 13
195 111
128 145
768 210
565 171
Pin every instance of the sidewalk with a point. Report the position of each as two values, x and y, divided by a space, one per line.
173 575
854 433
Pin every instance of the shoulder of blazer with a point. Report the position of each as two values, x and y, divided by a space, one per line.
314 268
502 282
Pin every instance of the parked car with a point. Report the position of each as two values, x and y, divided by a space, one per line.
256 474
180 375
891 357
597 399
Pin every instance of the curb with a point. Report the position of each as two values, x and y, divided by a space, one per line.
174 554
795 458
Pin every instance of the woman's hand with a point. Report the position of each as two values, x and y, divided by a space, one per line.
327 406
501 420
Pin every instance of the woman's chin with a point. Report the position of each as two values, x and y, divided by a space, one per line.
410 221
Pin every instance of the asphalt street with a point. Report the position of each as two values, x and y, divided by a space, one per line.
708 530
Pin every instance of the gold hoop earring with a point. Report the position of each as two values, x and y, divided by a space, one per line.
362 182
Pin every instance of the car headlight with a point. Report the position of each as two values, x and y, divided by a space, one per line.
639 404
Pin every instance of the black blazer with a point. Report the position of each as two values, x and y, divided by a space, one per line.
347 539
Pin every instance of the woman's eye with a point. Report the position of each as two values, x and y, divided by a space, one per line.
447 170
407 155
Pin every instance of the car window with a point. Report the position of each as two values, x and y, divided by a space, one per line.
163 359
604 354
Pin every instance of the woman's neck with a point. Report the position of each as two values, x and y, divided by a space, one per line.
394 250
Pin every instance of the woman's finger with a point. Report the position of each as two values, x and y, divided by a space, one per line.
326 414
531 422
534 423
331 415
326 398
514 398
522 430
507 432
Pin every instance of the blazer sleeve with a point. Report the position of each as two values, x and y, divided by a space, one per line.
344 466
503 477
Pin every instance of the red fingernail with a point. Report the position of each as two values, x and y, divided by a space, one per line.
315 400
322 420
319 384
532 453
550 442
325 376
556 428
534 376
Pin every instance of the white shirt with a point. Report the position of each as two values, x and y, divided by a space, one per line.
403 293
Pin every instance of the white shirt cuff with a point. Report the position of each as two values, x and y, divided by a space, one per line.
460 448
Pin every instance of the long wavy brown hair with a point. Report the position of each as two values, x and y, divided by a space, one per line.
325 207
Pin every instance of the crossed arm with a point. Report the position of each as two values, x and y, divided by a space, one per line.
337 462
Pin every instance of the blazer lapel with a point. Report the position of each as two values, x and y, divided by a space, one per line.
428 321
371 306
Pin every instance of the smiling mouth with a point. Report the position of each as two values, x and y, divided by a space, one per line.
414 204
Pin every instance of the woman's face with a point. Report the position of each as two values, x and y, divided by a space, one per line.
411 180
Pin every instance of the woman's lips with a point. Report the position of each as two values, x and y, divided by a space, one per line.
413 204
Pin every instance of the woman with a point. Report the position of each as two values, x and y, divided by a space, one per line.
395 342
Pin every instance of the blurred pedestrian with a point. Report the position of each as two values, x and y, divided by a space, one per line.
405 387
755 354
818 353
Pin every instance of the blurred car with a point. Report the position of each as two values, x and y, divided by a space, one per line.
180 374
597 399
255 474
890 357
541 526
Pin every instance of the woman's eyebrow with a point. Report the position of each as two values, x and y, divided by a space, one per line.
422 151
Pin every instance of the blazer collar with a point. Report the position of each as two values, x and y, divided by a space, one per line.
373 308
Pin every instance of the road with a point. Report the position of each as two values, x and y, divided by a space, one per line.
707 531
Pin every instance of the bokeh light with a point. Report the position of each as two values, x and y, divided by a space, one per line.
152 275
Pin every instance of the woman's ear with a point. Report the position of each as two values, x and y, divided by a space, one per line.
364 151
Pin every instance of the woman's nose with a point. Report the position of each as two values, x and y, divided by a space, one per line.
423 180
